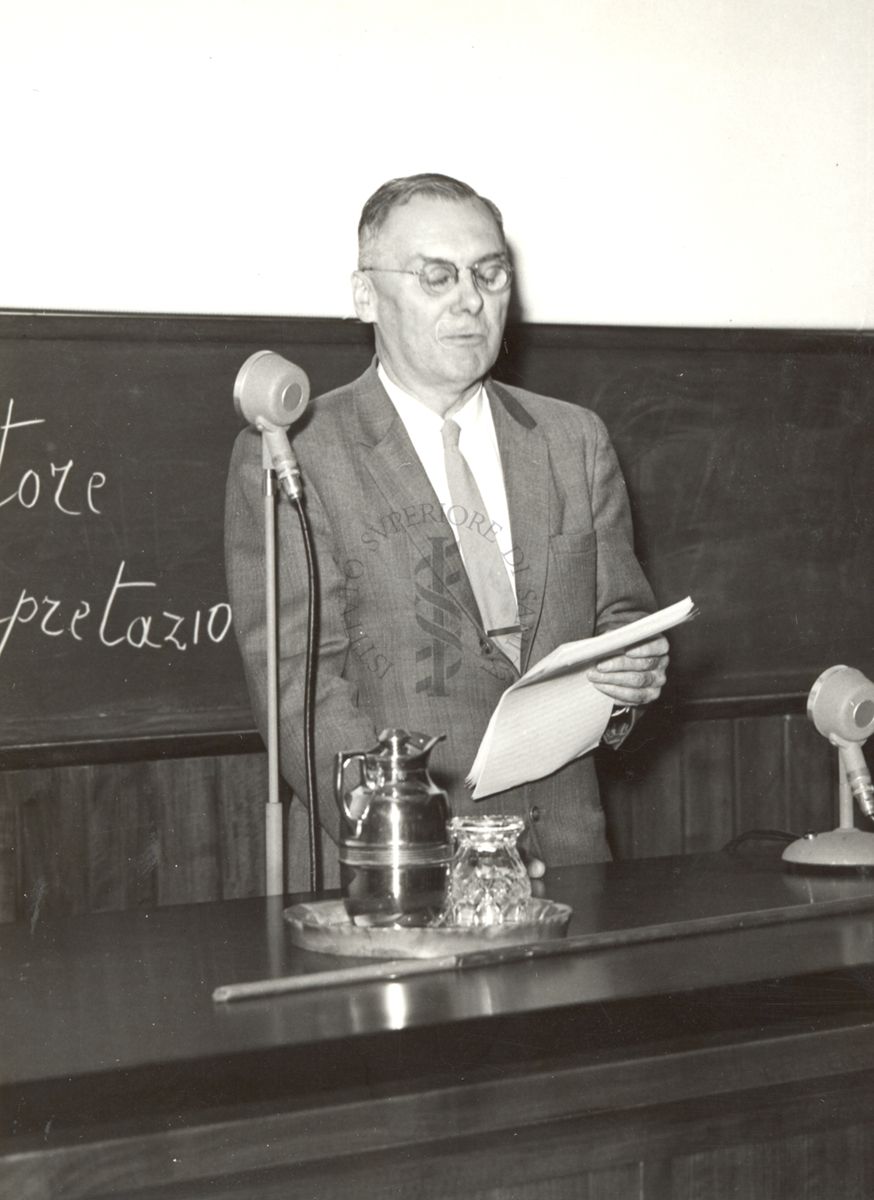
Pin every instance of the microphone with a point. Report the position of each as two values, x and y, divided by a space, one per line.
841 706
271 393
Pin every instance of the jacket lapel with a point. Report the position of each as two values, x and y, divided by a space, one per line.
400 478
525 461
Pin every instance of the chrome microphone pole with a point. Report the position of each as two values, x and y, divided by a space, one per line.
273 847
272 393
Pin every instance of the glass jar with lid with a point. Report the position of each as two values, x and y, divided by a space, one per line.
488 882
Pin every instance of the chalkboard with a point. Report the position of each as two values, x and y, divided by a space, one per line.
748 461
746 457
115 434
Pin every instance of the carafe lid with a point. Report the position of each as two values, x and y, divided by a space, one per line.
397 746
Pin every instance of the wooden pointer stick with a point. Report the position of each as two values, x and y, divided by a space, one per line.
404 968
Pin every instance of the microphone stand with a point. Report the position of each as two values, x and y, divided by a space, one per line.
275 881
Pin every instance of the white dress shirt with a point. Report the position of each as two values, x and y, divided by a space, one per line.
478 443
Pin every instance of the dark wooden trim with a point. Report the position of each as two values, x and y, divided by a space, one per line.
654 1106
130 749
717 707
23 323
96 751
160 327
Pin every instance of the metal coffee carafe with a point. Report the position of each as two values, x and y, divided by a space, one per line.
394 845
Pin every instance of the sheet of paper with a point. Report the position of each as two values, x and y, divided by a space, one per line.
553 713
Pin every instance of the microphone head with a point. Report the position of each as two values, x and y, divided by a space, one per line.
270 392
841 704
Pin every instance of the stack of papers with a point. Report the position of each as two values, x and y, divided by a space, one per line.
553 713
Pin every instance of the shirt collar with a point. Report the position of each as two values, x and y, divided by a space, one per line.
411 410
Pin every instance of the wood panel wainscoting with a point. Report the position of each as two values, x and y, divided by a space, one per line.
113 835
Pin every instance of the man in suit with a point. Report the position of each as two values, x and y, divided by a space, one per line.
410 635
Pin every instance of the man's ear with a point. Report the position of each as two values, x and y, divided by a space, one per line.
364 297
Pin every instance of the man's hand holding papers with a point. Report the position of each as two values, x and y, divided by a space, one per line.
555 712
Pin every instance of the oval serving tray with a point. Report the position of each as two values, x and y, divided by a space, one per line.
325 926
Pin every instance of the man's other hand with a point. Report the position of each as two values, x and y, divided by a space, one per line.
636 677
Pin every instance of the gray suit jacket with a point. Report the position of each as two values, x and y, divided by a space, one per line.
400 642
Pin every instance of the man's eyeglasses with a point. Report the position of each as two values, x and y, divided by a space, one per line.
438 278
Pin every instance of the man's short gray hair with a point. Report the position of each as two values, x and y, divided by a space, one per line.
400 191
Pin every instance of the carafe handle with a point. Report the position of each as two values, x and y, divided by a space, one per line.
343 758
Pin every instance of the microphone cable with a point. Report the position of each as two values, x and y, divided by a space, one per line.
315 847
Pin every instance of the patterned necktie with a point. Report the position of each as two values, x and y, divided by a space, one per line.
480 552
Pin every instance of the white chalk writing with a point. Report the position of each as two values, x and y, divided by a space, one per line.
146 630
128 613
29 488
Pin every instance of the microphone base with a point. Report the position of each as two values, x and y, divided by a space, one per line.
836 850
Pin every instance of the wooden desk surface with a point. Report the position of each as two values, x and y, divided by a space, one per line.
117 991
109 1018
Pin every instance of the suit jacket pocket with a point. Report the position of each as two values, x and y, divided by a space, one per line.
571 584
583 542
